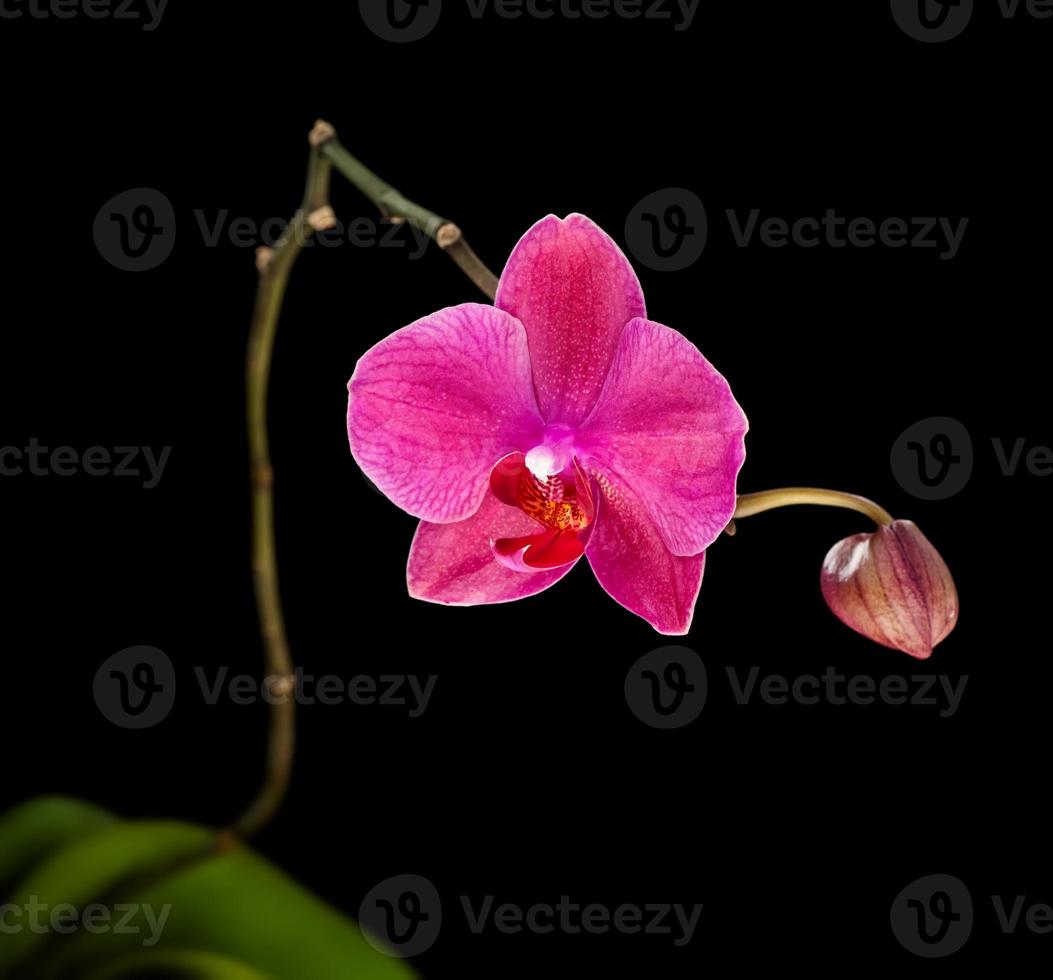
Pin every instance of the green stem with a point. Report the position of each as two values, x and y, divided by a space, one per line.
274 267
756 503
395 206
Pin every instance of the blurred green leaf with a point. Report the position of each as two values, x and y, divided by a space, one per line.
30 832
92 866
240 905
188 964
224 913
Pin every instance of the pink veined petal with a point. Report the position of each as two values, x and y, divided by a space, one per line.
635 567
454 564
570 285
667 423
432 407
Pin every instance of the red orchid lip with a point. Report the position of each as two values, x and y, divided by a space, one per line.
561 503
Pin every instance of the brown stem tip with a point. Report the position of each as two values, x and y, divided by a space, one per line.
321 133
448 235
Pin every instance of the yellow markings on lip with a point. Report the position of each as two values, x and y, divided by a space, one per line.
551 502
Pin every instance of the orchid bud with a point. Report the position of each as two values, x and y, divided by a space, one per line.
893 587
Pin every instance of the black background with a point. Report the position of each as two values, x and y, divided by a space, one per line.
528 778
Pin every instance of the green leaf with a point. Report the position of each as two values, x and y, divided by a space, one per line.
30 832
228 914
189 964
241 906
93 865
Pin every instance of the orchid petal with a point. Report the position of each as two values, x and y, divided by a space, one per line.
432 407
454 564
633 564
574 291
667 423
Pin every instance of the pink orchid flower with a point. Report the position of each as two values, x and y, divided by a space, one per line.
556 424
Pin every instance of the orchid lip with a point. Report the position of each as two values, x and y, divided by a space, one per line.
556 495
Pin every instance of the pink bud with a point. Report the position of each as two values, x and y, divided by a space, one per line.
893 587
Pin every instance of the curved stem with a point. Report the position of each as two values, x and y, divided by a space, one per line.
756 503
393 205
274 267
